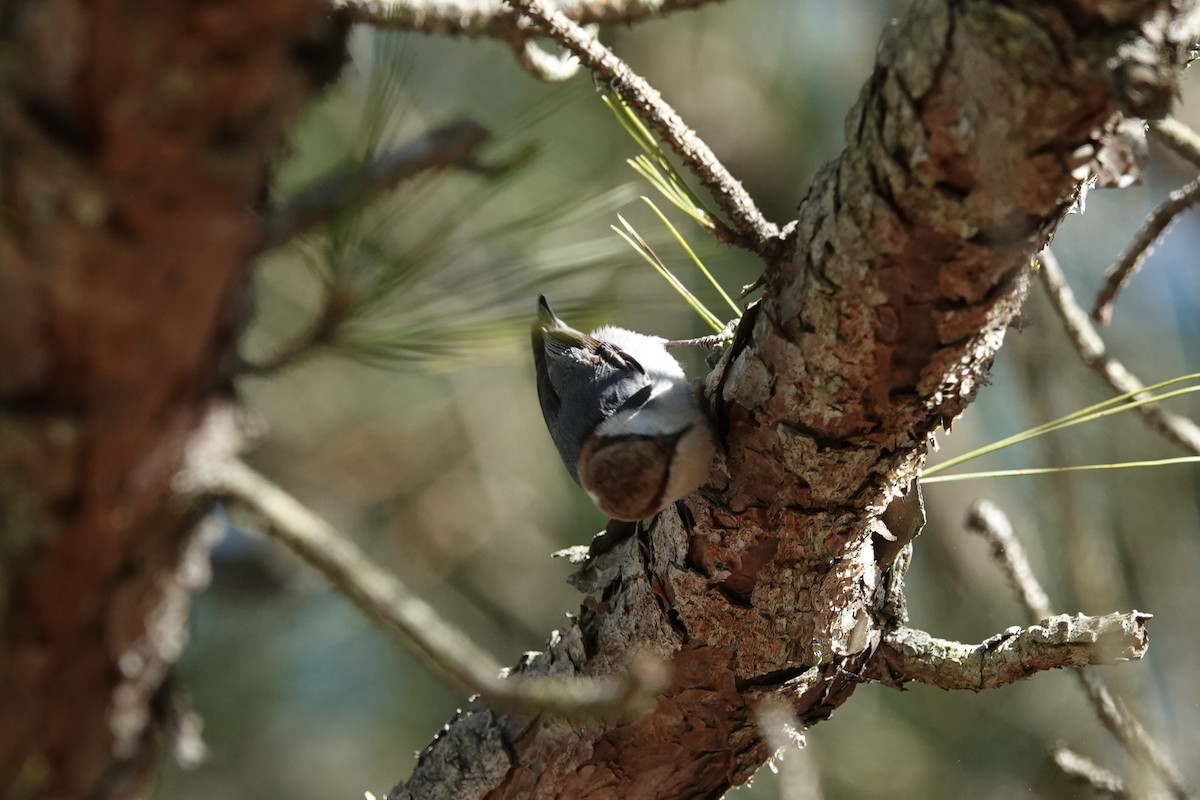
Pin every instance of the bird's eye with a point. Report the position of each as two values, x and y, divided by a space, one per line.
638 398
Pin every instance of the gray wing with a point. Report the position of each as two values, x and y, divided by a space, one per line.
581 381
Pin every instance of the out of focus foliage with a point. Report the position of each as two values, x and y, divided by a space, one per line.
420 437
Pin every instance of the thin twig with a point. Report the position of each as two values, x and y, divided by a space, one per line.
493 19
322 332
726 334
451 145
1186 143
1094 352
1179 137
496 20
392 606
1120 273
549 67
750 229
987 520
993 525
1087 772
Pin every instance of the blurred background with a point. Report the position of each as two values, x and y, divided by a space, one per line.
419 435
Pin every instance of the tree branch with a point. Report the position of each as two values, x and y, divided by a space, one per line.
988 521
321 332
1094 353
1186 143
542 64
494 19
455 145
993 525
750 229
1133 737
1086 772
1179 137
1121 272
907 654
390 605
879 319
451 145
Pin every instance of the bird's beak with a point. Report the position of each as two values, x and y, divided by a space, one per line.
546 316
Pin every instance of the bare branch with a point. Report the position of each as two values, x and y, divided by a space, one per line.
1179 137
987 520
908 261
908 654
1087 772
750 229
1130 734
451 145
1186 143
993 525
389 604
1094 352
496 20
1120 273
493 19
542 64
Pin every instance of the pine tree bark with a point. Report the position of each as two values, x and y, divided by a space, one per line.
910 257
135 141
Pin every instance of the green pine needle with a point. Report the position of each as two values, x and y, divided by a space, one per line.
737 312
655 167
1007 473
1113 405
643 249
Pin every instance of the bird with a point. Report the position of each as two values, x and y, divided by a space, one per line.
619 409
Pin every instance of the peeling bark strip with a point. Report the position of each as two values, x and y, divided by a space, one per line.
910 257
135 140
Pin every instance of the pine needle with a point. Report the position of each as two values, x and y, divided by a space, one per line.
1113 405
737 312
639 244
1007 473
656 168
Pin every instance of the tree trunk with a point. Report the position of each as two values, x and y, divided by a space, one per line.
911 256
136 140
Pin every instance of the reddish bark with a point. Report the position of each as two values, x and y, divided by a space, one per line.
136 142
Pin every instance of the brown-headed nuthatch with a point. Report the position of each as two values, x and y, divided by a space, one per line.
622 416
